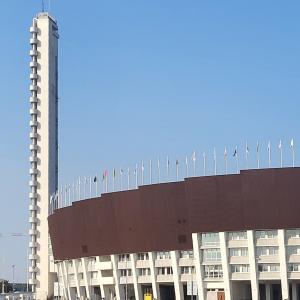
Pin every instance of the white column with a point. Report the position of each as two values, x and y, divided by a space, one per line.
119 291
283 268
199 274
100 278
224 256
86 277
155 285
136 285
75 264
294 291
253 266
268 291
67 279
176 276
61 272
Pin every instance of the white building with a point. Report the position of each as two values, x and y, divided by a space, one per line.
224 265
43 147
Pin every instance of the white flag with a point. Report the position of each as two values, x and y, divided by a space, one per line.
292 143
280 145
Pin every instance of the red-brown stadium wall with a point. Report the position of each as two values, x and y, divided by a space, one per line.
162 217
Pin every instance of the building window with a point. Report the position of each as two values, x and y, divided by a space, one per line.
125 272
80 276
268 268
238 235
238 252
165 271
144 272
163 255
266 234
187 270
70 263
293 250
187 254
293 268
293 233
213 271
143 256
124 257
211 238
262 251
213 254
94 275
240 268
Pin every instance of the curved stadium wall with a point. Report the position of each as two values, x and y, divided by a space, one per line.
214 237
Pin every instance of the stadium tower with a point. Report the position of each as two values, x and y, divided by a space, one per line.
43 149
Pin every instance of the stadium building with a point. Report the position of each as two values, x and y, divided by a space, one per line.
233 237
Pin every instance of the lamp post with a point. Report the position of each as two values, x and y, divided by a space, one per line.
13 278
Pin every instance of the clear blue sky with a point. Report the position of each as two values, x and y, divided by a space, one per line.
142 79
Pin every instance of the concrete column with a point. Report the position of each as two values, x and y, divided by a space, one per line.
283 267
66 272
268 291
253 266
100 278
86 277
199 273
225 267
176 276
294 291
75 264
155 285
118 289
136 285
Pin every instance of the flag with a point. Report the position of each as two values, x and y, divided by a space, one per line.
257 146
292 143
269 146
194 156
186 160
168 162
280 145
247 149
114 173
143 166
95 179
235 152
104 175
215 155
225 152
121 172
177 162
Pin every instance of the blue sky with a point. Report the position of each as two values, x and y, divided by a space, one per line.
145 79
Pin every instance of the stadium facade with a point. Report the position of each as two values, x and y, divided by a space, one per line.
229 237
233 237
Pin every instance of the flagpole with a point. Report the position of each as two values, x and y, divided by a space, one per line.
73 185
128 178
90 187
168 167
225 159
142 175
84 187
158 170
69 195
66 195
194 163
177 170
269 150
96 182
204 163
106 181
121 179
293 152
113 180
187 167
79 183
150 171
280 150
257 153
247 152
215 161
136 176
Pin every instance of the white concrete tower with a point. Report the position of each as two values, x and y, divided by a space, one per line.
43 148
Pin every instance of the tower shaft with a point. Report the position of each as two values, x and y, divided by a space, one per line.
43 149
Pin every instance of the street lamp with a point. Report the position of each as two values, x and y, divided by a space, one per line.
13 278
